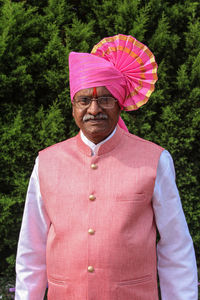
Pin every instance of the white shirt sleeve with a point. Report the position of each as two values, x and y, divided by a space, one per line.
31 278
177 268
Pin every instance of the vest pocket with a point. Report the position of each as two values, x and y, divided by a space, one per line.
139 288
136 198
57 289
142 279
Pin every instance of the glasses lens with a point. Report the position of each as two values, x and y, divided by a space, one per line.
83 101
106 102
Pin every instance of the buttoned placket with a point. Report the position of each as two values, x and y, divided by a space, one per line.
93 165
93 170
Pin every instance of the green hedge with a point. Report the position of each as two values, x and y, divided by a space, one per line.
35 40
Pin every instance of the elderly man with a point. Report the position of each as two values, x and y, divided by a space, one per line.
95 200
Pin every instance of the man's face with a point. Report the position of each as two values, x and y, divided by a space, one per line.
95 122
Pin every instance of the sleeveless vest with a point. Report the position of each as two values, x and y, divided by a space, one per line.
101 243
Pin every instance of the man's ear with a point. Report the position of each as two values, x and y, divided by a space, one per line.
72 109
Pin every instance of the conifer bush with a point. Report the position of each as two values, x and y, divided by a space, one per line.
35 40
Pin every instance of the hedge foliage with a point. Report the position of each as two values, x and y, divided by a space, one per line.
35 40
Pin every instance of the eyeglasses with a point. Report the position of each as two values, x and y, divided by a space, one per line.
103 102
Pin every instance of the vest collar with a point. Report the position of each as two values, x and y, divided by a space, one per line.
104 147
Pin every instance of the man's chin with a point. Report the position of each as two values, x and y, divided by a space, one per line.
96 133
96 126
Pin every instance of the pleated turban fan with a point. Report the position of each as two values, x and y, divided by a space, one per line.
126 67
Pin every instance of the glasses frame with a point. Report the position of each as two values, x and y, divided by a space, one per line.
95 99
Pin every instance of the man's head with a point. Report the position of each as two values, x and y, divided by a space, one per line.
121 64
96 112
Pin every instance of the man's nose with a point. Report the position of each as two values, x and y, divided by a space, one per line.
94 108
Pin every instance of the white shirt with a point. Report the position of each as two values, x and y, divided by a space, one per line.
176 258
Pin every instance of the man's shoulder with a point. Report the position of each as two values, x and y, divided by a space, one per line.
59 146
132 138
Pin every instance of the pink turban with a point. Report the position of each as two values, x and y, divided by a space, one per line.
126 67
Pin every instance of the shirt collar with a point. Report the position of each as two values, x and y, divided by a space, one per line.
95 147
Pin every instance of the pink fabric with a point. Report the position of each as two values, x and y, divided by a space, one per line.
122 124
121 215
87 70
126 67
136 64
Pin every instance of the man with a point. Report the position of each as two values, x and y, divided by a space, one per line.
95 200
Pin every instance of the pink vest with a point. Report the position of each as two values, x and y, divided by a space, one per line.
102 239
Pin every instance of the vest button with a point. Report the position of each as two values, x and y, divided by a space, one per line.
90 269
94 166
91 231
92 197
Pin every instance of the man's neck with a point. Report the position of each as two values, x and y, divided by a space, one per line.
93 146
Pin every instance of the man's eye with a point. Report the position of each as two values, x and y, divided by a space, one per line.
104 100
84 100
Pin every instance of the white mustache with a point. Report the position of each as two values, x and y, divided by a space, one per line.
100 116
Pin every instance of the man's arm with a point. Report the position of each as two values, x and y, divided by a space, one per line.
31 280
176 258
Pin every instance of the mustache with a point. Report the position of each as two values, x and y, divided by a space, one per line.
99 116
